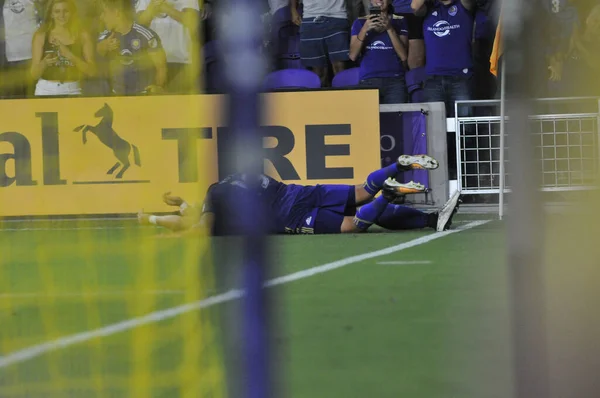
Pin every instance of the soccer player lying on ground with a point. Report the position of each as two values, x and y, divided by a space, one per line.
318 209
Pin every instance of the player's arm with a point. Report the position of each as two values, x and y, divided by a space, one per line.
207 220
419 7
203 227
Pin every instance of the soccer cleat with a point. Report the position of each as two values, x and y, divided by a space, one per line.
392 188
447 212
417 162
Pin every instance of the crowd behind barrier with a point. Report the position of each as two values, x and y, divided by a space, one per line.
411 51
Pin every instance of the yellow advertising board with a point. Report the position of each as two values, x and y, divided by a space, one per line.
84 156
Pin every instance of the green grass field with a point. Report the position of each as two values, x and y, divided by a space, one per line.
435 326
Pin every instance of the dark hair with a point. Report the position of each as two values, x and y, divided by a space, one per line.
125 6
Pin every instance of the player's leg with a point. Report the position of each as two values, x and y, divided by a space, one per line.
328 221
375 181
398 217
335 209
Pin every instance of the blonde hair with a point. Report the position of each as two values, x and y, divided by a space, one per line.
48 22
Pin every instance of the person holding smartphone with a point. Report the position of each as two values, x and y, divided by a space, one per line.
62 52
380 40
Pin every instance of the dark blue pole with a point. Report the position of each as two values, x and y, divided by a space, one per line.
241 36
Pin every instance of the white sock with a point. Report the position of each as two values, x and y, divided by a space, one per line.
152 220
182 207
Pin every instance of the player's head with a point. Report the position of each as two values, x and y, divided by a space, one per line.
60 13
115 12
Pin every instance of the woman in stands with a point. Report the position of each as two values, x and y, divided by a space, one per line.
61 52
381 41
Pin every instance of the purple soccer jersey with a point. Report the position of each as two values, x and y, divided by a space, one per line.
448 33
402 6
289 205
379 59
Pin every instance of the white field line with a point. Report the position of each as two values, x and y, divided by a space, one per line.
100 294
401 262
67 341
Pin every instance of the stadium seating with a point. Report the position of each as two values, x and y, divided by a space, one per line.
346 78
287 47
291 78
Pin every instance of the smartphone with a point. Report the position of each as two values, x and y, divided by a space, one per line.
375 10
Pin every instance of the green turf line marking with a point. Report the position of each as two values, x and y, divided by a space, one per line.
67 341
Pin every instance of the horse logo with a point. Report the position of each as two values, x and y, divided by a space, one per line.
105 133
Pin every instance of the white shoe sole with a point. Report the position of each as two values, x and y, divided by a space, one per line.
412 187
446 212
423 162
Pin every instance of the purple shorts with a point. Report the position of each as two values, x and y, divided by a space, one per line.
326 209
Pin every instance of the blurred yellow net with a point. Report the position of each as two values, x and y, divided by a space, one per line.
92 304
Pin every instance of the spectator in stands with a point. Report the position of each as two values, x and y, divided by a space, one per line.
382 41
20 23
175 22
206 29
580 62
323 35
357 9
61 52
276 5
137 62
448 33
414 23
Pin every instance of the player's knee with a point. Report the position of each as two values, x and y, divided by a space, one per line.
349 226
361 194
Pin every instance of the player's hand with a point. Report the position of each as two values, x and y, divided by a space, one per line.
296 18
172 200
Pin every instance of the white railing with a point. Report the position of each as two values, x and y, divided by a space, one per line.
567 145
